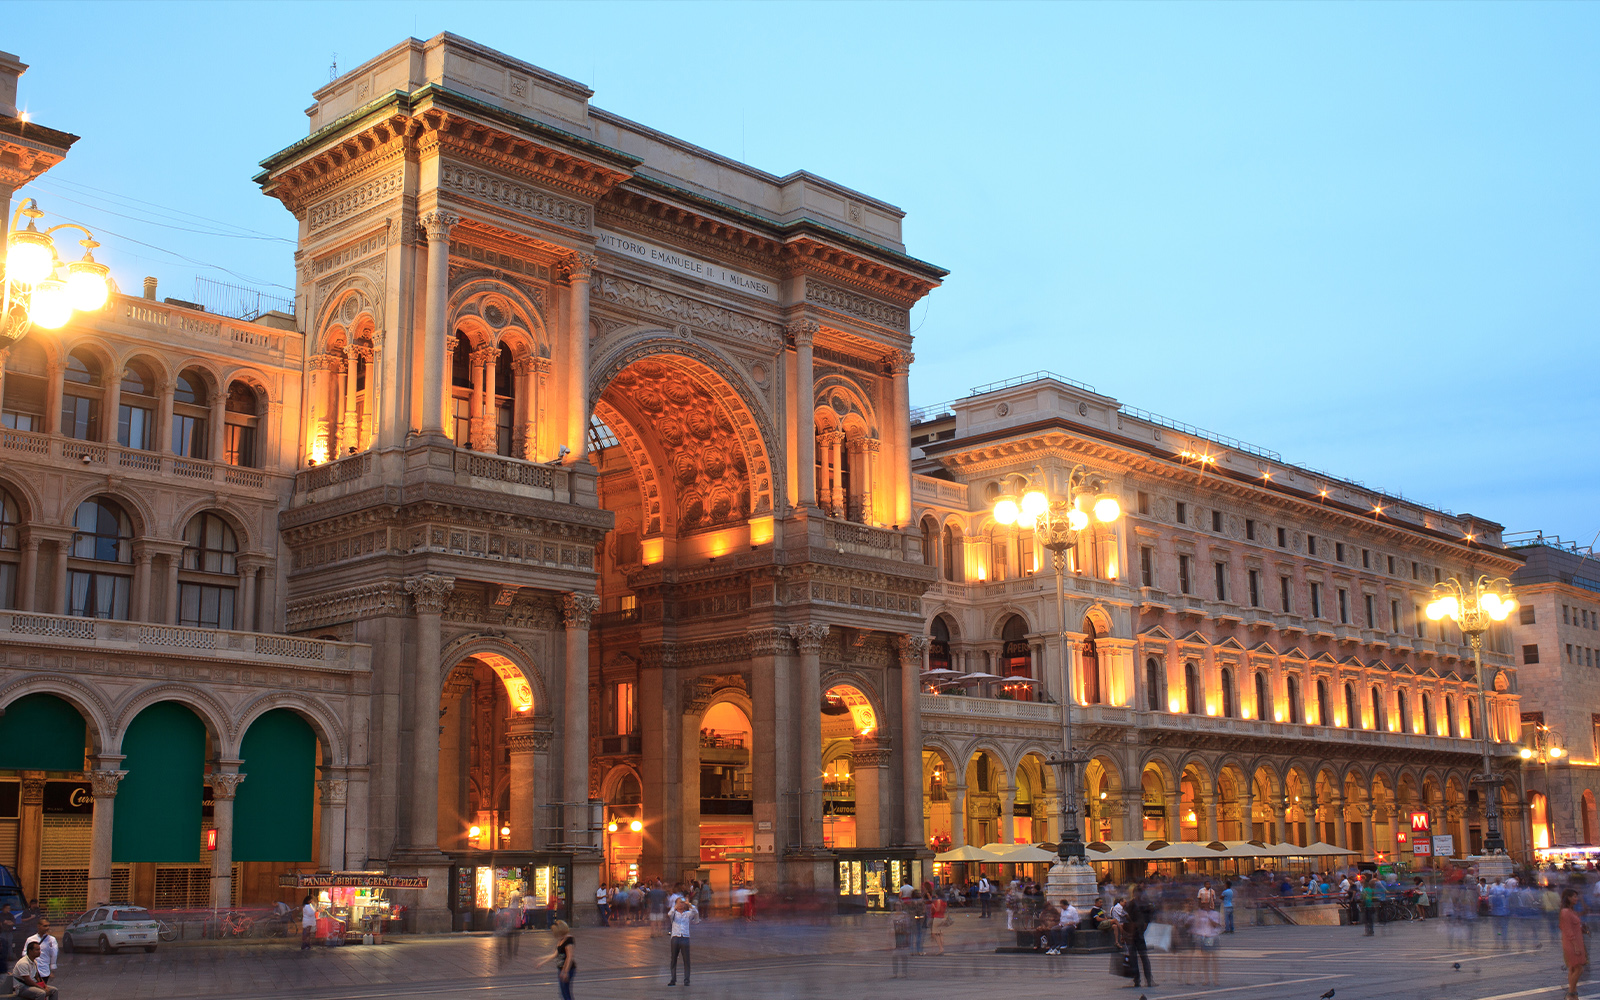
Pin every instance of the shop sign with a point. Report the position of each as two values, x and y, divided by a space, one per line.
70 797
1421 822
351 880
1422 846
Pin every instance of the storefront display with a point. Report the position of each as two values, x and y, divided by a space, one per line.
352 907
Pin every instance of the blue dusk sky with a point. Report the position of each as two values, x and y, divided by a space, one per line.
1360 235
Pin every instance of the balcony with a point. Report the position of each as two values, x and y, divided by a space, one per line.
967 707
253 648
939 493
70 453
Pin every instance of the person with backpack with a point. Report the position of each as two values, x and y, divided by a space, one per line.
985 893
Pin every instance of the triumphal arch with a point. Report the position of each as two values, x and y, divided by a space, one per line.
605 453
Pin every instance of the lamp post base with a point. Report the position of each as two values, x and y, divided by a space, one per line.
1073 881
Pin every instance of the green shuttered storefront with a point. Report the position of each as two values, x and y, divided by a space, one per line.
159 802
272 813
40 732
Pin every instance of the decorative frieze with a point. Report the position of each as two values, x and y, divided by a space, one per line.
675 309
852 304
521 198
356 199
430 592
350 254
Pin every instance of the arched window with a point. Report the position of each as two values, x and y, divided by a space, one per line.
26 387
1091 665
190 413
1380 718
1016 657
209 583
1263 697
1193 695
939 646
136 407
102 543
1429 725
243 423
1229 708
1352 713
954 555
1450 717
1404 705
10 523
81 392
930 538
1153 687
1324 718
1472 719
461 392
1296 713
505 402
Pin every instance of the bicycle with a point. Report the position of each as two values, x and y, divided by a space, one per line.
234 925
166 931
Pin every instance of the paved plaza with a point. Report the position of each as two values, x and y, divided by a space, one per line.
845 959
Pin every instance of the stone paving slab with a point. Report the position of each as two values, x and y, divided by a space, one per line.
848 959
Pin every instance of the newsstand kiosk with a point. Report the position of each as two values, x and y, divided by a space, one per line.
352 907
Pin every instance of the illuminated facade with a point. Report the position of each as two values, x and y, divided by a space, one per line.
1247 645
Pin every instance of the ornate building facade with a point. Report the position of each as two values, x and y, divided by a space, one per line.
1247 647
581 496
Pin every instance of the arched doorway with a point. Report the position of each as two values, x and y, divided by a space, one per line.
45 836
274 810
1016 660
624 798
727 832
161 809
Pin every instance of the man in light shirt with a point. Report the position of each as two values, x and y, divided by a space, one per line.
49 950
26 975
681 918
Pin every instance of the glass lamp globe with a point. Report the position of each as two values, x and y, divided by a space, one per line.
1077 520
1106 509
1034 504
50 307
30 256
87 287
1006 511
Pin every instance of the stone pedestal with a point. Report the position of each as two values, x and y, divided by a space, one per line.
1075 882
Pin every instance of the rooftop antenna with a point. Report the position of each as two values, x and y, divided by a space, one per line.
333 68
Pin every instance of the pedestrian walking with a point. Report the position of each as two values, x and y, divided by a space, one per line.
1227 907
565 957
505 928
938 920
917 910
308 922
1574 950
682 917
49 949
602 903
985 893
1138 920
900 955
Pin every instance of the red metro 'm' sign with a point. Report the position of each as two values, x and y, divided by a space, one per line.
1421 822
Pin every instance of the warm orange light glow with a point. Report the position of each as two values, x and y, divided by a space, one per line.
1173 704
1277 716
319 452
652 550
761 530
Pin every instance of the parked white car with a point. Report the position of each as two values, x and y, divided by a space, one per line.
110 928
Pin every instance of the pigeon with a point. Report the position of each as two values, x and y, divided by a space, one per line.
1326 996
1456 966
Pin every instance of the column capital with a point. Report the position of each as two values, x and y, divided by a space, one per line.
868 751
224 784
578 266
898 362
32 789
809 637
485 355
911 648
802 332
769 641
103 783
430 592
436 225
334 791
577 609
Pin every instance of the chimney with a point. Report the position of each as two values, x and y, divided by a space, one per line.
150 288
10 68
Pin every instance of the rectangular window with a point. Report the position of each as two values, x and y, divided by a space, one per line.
1527 614
461 422
205 606
1391 565
1569 648
1419 619
1413 571
134 424
1216 520
98 595
1284 593
1283 538
8 586
1147 575
1344 606
1144 502
1436 577
623 708
1530 653
1316 600
1255 588
1366 558
1311 545
1372 620
1338 551
1249 529
80 418
1183 574
188 436
1394 616
1566 618
1221 569
1183 512
13 421
239 445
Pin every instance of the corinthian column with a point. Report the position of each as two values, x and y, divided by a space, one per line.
912 650
899 461
809 639
427 400
578 266
103 786
577 609
224 786
801 334
429 594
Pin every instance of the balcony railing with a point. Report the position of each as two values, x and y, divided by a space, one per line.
96 455
968 707
105 635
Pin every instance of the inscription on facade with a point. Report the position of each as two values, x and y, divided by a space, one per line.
684 264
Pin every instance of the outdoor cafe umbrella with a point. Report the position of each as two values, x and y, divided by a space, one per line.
1028 854
966 852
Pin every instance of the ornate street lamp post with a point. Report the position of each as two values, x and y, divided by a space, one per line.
1547 746
38 289
1058 521
1474 607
